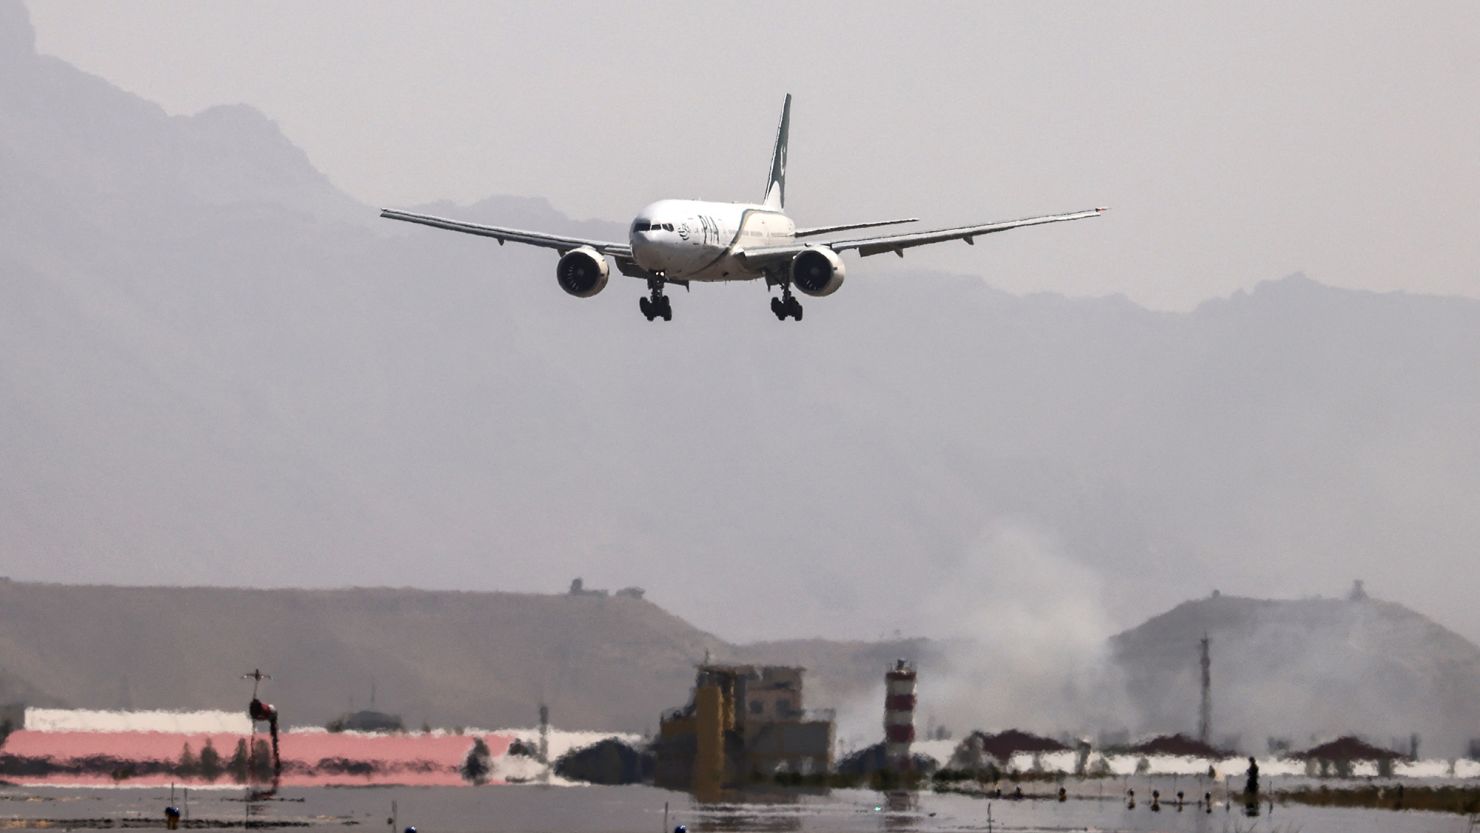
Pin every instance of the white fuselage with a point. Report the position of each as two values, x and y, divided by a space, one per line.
689 240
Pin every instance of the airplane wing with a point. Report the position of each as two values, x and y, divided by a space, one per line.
808 232
531 238
762 256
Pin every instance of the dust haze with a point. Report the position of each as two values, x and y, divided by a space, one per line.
1023 645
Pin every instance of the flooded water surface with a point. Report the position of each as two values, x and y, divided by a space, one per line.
535 809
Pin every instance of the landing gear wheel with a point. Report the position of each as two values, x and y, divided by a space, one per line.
656 304
786 306
794 308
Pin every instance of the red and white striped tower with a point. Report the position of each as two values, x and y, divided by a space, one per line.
899 715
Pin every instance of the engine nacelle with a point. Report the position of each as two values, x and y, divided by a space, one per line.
817 272
582 272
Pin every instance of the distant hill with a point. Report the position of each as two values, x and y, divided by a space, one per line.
1306 669
478 659
1299 669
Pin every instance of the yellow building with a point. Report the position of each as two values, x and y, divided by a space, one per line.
742 723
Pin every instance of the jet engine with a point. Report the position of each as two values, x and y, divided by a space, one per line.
582 272
817 272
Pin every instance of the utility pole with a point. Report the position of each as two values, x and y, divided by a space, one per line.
1205 712
545 743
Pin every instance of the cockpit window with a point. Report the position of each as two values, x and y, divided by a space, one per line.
668 227
641 225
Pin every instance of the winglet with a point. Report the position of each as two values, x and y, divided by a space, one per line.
776 185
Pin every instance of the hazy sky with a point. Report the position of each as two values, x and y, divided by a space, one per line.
1235 142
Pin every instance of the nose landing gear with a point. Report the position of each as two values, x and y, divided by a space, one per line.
786 305
656 305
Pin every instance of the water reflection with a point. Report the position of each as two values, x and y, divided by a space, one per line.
901 811
767 811
519 809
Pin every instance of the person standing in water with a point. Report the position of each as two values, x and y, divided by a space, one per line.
1251 788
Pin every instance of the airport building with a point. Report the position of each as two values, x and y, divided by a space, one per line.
742 722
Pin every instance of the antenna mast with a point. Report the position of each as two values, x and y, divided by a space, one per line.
1205 711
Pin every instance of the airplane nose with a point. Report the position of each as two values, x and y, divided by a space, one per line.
645 253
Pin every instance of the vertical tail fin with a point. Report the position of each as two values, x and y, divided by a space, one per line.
776 185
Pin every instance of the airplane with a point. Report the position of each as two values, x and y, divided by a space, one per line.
684 241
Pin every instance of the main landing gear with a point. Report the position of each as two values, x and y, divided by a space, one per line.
656 305
786 305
